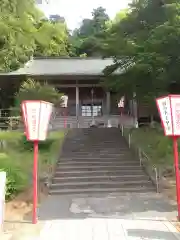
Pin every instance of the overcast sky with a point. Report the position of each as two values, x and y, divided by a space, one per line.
76 10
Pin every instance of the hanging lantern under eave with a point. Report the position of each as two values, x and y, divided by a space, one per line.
121 102
64 100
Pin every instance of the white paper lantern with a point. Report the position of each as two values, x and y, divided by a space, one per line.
36 115
169 109
121 103
64 100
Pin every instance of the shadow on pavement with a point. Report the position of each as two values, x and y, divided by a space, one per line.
151 234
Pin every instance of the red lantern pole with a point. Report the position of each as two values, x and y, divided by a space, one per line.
36 127
176 165
35 183
65 117
169 109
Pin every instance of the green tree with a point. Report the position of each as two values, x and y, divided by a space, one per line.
85 39
16 31
33 90
24 33
51 39
144 43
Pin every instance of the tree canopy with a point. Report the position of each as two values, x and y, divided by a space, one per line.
144 41
84 39
24 32
33 90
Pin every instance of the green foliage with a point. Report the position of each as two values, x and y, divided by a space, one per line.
10 136
85 39
24 32
51 39
16 180
16 159
28 146
144 41
158 148
33 90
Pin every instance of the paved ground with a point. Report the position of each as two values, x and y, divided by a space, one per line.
108 217
108 229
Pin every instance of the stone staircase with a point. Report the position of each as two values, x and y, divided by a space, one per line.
97 160
83 122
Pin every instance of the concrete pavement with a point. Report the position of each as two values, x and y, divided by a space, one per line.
109 229
108 217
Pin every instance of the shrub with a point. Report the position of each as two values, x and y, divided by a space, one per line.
34 90
28 146
17 159
158 147
16 180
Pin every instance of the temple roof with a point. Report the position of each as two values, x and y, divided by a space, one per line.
54 66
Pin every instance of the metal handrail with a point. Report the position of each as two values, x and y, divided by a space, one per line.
143 156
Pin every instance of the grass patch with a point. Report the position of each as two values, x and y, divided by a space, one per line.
16 158
153 142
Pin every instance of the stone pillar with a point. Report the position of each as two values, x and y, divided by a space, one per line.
108 102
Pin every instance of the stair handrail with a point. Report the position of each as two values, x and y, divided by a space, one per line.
53 117
142 156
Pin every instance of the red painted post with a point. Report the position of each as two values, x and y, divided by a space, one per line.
35 183
65 118
121 111
176 165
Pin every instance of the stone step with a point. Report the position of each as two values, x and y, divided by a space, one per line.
92 152
99 140
98 149
95 155
114 172
101 184
96 145
97 159
98 163
98 190
103 167
102 142
100 178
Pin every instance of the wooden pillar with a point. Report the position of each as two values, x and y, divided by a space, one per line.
77 100
135 110
108 102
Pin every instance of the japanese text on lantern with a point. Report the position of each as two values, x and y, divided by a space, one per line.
165 110
34 120
177 111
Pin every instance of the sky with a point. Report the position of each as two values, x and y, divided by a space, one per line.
74 11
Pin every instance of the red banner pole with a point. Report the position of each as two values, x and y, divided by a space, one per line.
176 165
35 183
